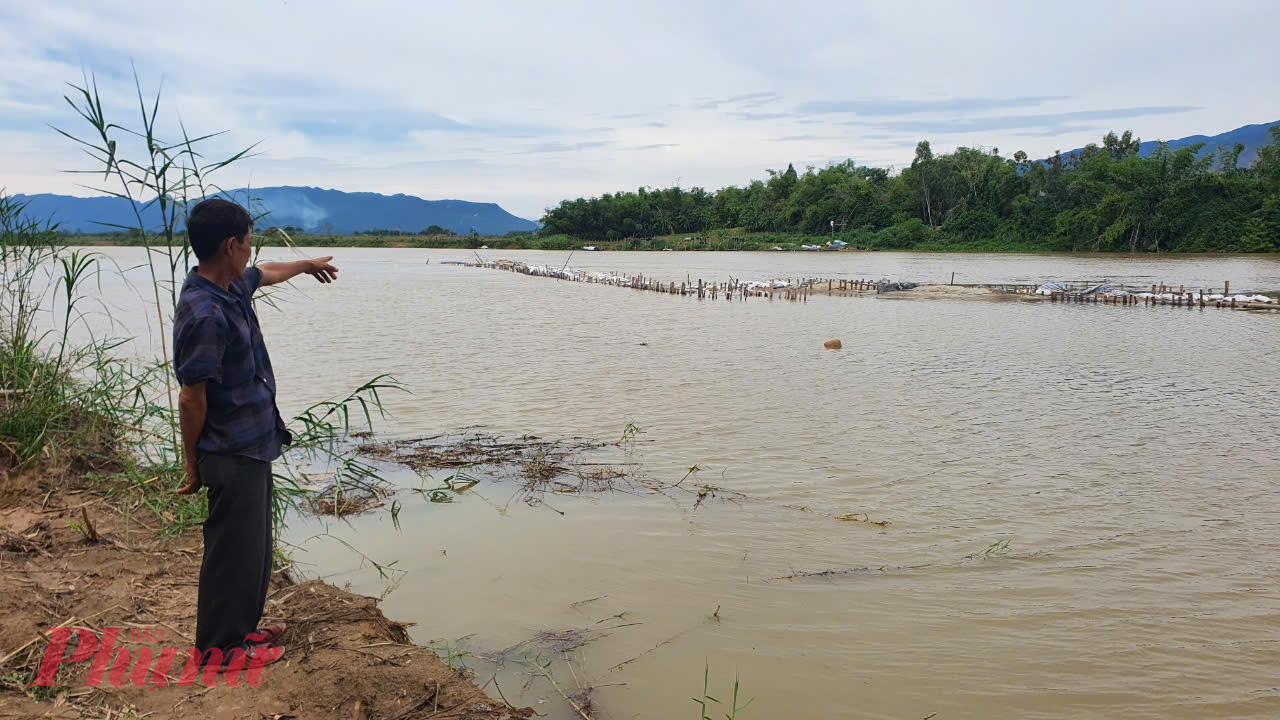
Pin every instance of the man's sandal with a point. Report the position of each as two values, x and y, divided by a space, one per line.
262 655
256 656
268 634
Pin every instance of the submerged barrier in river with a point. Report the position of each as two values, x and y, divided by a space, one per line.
790 289
799 290
1159 294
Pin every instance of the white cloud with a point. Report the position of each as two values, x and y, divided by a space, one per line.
525 104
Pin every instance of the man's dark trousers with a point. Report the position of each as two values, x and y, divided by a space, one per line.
236 569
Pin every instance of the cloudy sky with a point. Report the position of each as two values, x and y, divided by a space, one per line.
527 103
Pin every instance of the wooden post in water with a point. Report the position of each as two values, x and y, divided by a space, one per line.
1226 287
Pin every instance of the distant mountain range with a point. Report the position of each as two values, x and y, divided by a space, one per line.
312 209
1251 136
317 210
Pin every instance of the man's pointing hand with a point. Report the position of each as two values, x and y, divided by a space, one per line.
320 269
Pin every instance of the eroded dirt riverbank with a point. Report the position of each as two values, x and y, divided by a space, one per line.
73 557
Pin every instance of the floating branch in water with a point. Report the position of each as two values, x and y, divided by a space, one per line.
710 492
863 518
834 572
998 548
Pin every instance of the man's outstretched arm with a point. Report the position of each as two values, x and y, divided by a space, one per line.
318 268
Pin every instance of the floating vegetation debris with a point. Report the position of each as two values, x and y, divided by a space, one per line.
471 448
455 484
629 434
1000 548
863 518
541 469
706 492
537 655
354 487
833 572
343 500
538 466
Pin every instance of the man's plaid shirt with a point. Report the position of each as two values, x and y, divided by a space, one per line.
217 341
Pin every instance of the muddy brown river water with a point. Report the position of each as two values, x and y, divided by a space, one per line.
1081 500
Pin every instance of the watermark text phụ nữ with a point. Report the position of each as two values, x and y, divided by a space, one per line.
145 667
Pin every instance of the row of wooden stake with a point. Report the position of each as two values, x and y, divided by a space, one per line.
794 291
799 291
1189 300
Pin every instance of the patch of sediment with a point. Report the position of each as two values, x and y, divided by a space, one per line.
73 557
961 292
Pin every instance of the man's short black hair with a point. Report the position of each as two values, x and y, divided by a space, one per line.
213 221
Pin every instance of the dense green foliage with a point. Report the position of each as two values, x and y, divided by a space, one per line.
1106 198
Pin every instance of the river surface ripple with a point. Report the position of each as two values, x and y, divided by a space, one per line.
1082 499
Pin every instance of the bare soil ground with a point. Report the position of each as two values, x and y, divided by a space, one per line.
69 557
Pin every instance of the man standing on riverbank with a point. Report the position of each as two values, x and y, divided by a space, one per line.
231 428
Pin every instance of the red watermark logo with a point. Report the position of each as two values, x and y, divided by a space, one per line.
143 667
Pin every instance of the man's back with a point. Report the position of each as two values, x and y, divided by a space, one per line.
217 341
